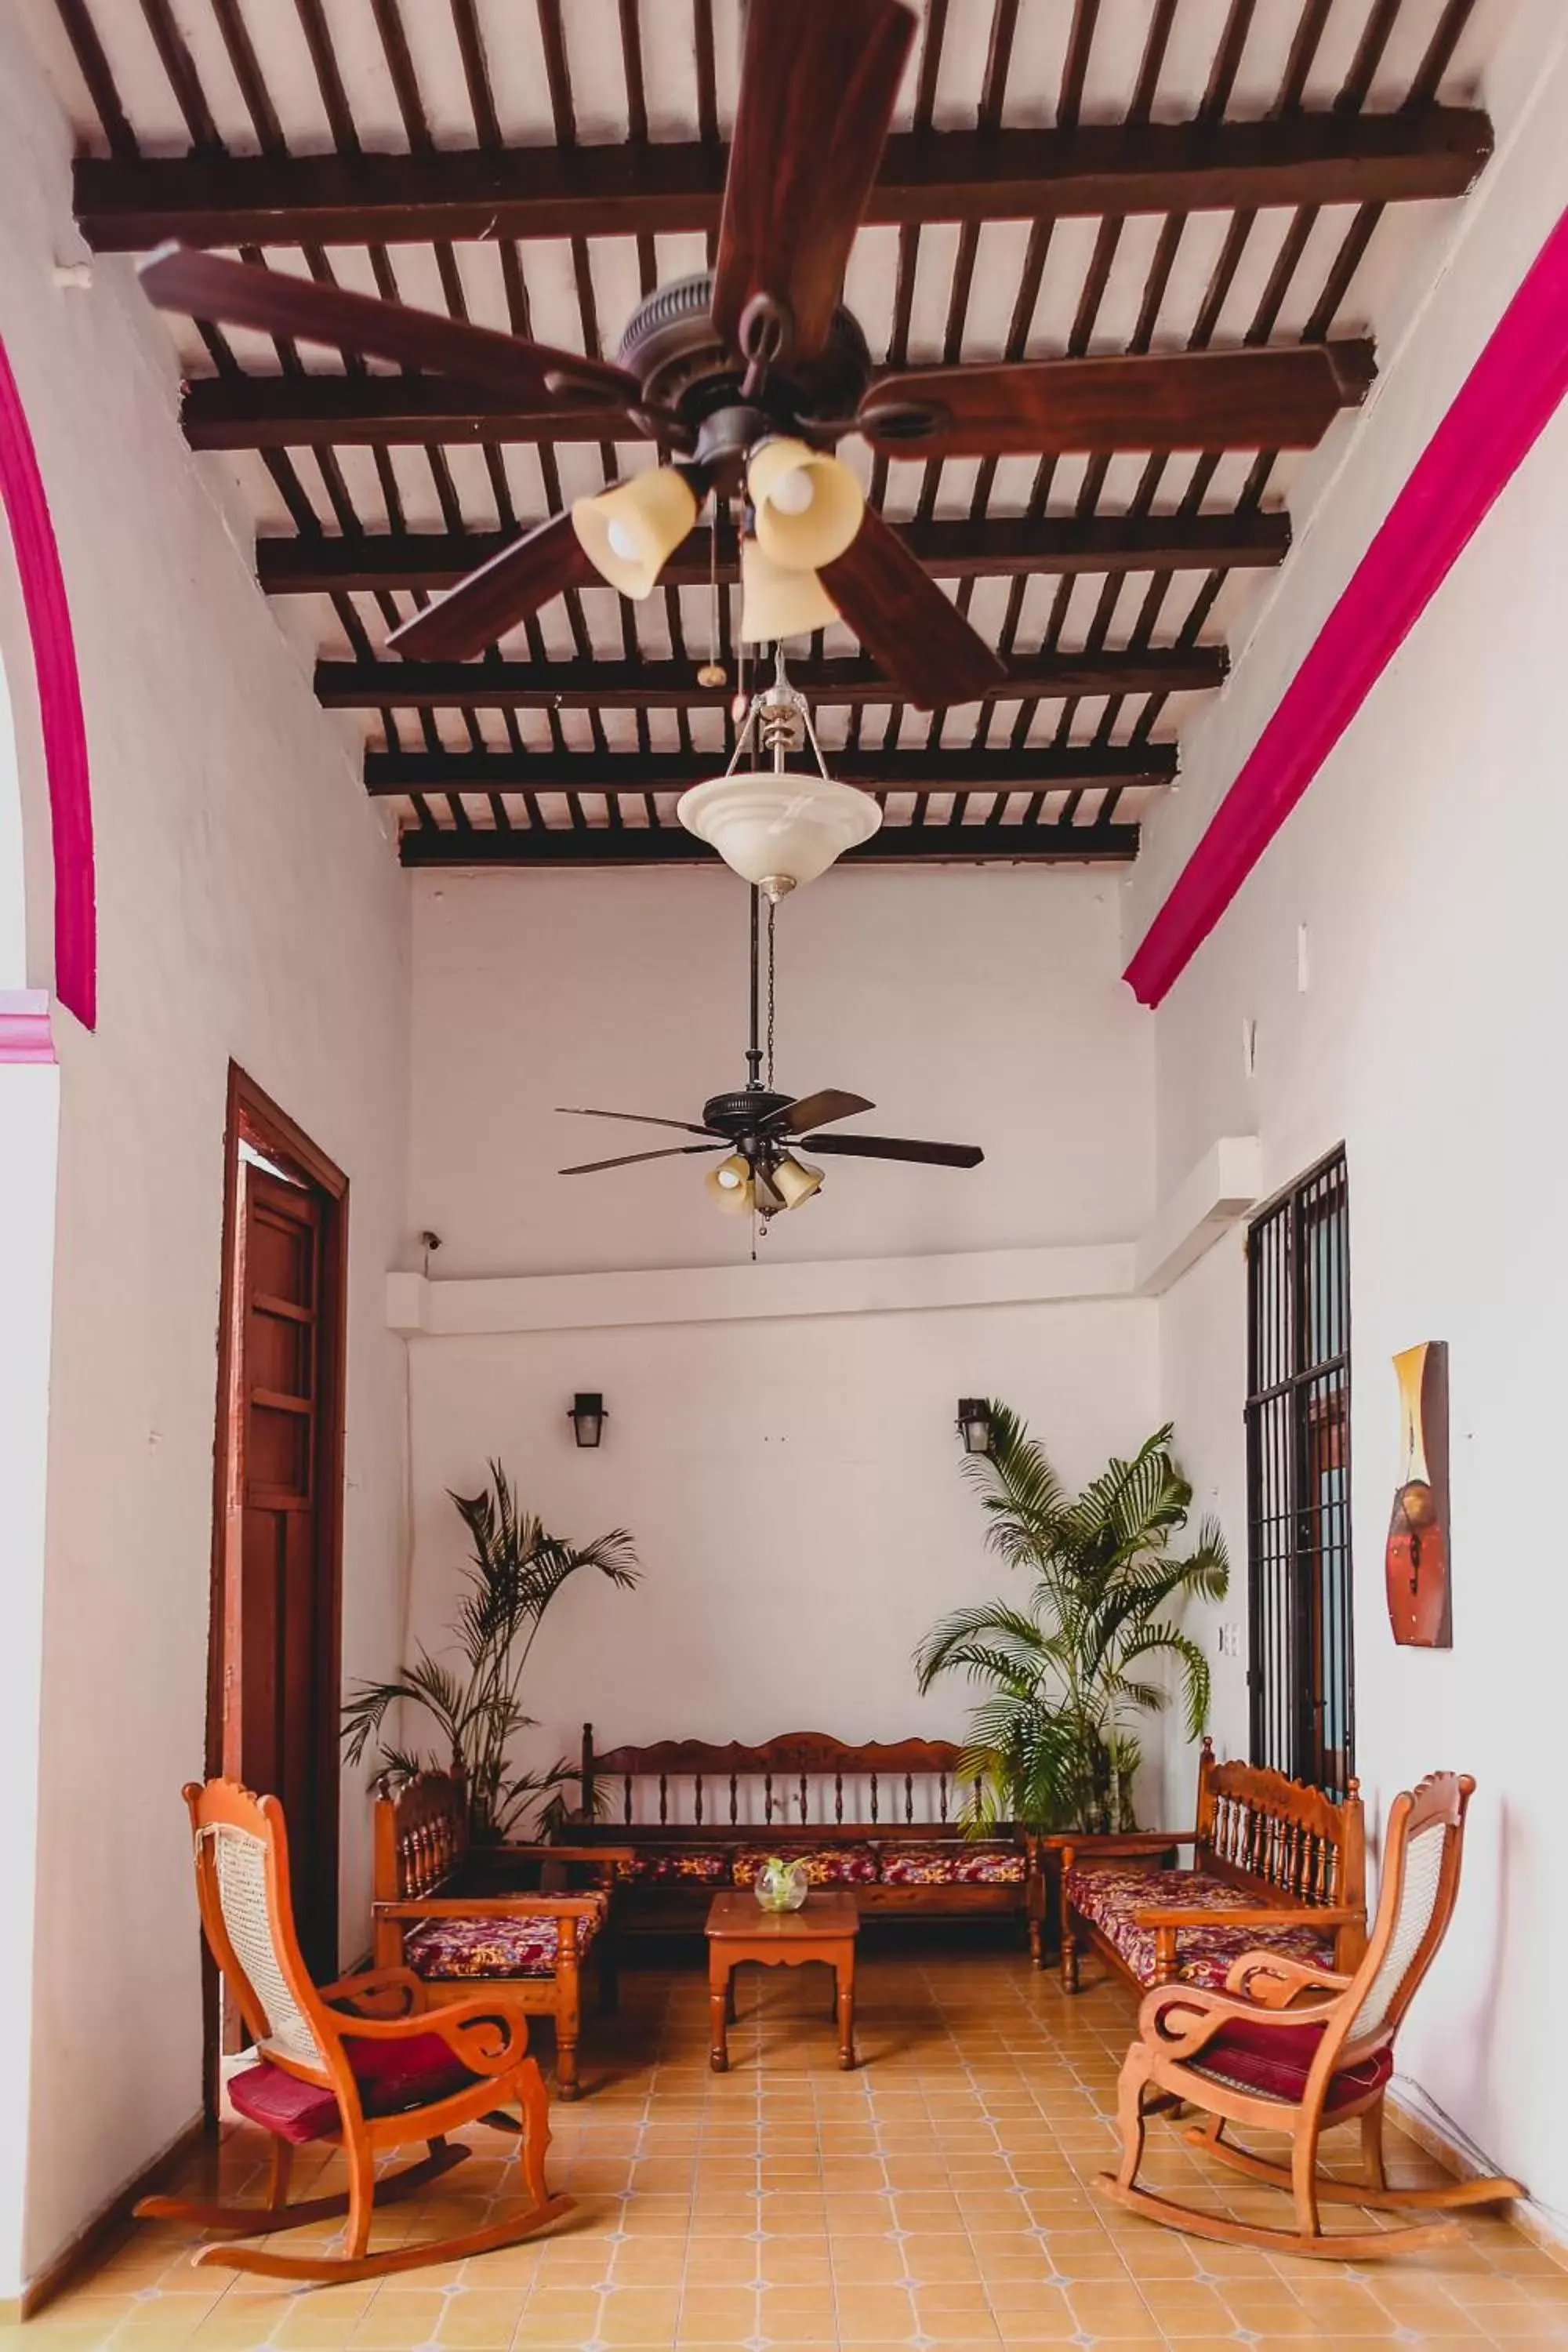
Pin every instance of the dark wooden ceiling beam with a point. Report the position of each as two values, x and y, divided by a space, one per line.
997 548
126 203
1050 769
284 412
671 844
672 684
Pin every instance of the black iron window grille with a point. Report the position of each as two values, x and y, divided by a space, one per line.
1297 1481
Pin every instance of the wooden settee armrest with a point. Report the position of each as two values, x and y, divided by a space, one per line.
550 1852
1093 1842
490 1906
1285 1915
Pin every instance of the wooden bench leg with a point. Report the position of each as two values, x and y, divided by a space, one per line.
844 1979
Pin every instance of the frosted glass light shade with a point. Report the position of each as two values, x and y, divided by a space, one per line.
773 827
730 1186
795 1181
808 504
629 533
777 602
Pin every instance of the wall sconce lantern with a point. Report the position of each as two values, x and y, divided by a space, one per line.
587 1415
974 1424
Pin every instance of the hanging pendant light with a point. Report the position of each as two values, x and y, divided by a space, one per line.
777 827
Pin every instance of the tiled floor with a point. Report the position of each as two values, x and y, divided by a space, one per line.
934 2197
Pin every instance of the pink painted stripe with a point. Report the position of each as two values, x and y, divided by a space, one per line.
1504 403
24 1026
59 705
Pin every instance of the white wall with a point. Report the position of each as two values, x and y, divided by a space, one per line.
793 1484
1426 865
248 904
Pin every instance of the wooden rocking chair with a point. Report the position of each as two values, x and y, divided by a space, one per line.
1243 2056
339 2063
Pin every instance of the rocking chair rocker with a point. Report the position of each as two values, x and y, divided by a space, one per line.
363 2062
1243 2057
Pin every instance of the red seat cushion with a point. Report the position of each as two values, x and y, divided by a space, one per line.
952 1862
495 1944
1112 1897
393 2076
1274 2061
665 1865
825 1865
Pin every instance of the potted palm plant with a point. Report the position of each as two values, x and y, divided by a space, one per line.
1074 1666
475 1703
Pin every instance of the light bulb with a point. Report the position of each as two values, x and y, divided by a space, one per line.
622 544
730 1178
793 492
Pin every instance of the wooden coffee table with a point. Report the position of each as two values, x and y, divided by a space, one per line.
738 1929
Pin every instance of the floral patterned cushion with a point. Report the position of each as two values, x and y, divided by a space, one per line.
952 1862
664 1865
496 1945
825 1865
1110 1898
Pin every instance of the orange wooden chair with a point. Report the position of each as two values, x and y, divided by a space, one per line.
1245 2056
340 2064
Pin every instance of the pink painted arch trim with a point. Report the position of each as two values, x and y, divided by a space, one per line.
59 705
1502 407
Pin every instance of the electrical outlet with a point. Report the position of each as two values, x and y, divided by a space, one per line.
1229 1640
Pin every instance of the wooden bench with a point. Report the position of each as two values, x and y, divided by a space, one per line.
696 1816
526 1917
1277 1866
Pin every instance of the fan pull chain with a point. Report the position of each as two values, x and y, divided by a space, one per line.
712 670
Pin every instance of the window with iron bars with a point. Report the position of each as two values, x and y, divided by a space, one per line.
1301 1675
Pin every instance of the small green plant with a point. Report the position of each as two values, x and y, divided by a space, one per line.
1055 1745
516 1571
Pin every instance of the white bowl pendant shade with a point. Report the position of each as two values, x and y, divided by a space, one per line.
772 826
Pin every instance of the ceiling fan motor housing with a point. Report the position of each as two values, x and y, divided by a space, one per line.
670 345
742 1112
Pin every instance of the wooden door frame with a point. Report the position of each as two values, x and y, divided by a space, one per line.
251 1115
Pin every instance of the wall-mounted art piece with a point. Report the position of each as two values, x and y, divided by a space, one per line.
1416 1557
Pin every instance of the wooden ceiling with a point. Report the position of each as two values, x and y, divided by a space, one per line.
1066 176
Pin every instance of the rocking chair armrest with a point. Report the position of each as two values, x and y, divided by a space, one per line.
488 2033
1205 2012
380 1985
1207 1915
1289 1978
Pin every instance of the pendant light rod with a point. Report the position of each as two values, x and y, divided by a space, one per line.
754 1050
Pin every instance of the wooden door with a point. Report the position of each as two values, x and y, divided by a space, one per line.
278 1735
275 1665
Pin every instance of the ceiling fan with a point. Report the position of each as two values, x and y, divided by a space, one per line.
749 375
757 1129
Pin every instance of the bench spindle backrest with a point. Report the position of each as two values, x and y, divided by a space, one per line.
791 1775
1255 1824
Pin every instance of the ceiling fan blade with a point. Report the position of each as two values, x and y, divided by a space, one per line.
896 1147
497 596
630 1159
905 623
819 79
638 1118
1282 398
277 302
815 1110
